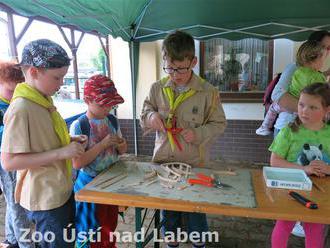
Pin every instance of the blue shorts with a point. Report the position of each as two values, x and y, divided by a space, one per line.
196 222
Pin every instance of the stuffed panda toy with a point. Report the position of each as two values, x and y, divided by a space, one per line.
310 153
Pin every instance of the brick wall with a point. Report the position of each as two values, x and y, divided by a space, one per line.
238 143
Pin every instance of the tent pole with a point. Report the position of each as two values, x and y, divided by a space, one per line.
132 61
74 48
12 36
107 47
106 50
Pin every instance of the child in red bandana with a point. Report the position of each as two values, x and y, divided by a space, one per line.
105 143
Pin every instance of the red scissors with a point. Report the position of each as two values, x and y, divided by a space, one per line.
207 181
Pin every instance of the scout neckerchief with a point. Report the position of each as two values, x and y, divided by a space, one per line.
26 91
170 124
4 100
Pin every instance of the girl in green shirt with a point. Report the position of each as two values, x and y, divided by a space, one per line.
308 130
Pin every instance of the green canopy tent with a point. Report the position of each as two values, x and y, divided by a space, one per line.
146 20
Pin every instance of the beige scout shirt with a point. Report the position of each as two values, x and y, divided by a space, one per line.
29 129
190 114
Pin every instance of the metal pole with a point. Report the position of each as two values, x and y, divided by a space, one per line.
12 36
132 50
107 46
138 225
75 64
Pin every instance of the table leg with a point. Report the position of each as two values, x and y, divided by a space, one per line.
157 226
149 236
138 225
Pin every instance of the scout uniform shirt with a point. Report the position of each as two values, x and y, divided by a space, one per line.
191 113
29 129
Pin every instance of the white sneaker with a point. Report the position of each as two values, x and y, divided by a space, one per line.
298 230
263 131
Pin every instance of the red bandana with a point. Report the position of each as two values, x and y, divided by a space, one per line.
102 90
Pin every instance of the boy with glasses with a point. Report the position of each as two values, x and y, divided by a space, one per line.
186 113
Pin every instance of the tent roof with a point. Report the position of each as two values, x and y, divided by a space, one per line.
146 20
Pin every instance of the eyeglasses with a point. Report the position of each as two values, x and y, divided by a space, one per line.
326 48
182 70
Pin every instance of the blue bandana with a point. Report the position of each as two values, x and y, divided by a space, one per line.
44 53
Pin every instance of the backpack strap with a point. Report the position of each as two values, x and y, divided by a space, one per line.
84 125
113 121
1 117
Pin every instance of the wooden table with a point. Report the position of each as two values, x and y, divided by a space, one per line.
271 203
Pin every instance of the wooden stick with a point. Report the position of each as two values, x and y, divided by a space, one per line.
106 180
226 172
134 184
269 195
320 188
117 179
183 187
98 176
151 182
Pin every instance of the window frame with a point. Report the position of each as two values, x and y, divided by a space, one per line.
241 97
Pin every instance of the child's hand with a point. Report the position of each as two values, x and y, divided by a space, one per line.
79 138
121 141
110 140
188 135
74 149
82 139
156 122
122 146
313 170
322 166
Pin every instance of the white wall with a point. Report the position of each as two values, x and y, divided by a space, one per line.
121 75
283 54
244 111
148 72
4 47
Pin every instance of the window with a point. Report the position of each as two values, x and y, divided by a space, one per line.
235 67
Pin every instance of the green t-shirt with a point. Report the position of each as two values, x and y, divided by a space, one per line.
292 145
303 77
